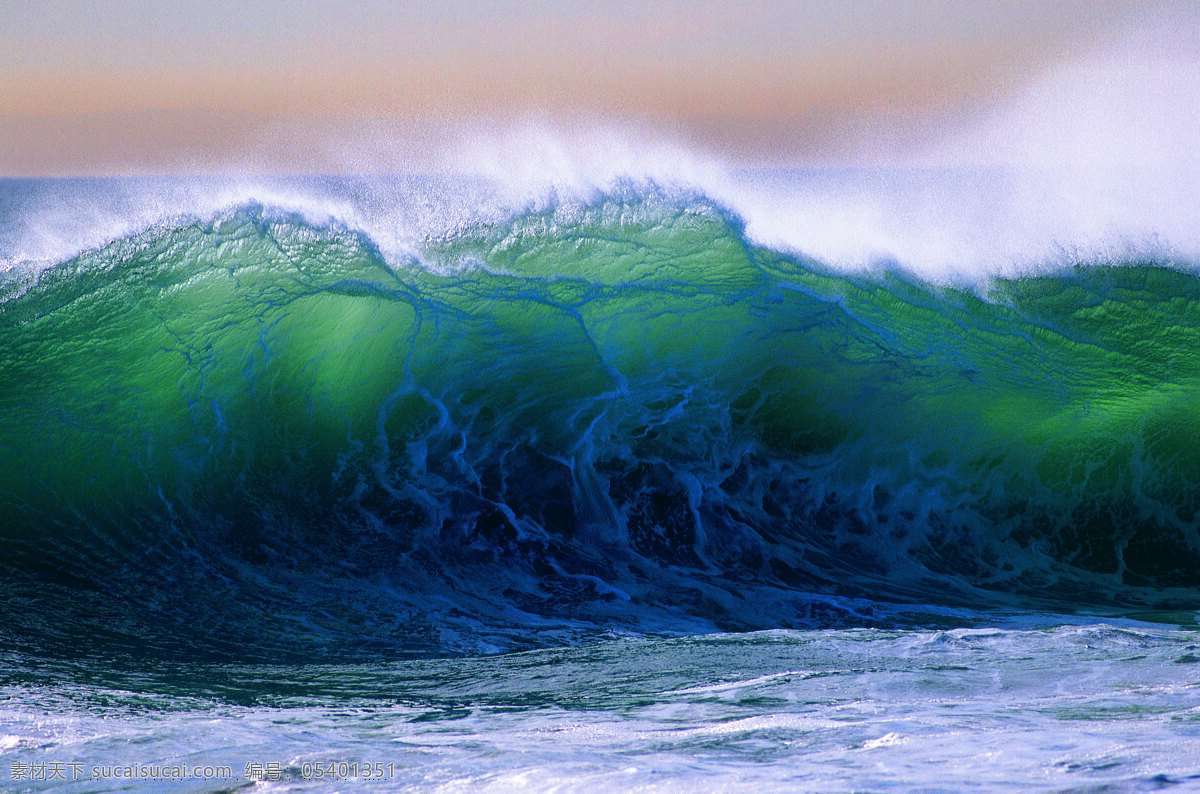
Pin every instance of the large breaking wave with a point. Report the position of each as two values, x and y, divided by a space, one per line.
250 433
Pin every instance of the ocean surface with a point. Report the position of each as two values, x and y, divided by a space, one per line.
843 479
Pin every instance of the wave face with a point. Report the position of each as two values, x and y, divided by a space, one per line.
256 434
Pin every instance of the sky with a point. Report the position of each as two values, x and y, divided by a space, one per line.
98 87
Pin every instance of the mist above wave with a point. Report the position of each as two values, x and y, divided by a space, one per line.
1096 160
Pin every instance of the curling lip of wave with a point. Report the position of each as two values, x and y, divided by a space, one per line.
959 226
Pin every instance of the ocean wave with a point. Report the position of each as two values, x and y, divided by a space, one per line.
255 432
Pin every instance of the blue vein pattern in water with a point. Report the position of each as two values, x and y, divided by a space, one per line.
267 469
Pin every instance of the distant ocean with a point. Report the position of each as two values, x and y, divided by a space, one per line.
843 479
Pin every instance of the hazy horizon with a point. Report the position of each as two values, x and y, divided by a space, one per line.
101 88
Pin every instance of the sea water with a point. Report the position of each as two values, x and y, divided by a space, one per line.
806 480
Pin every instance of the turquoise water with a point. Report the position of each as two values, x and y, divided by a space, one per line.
312 455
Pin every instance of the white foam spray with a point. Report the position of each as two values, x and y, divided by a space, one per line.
1098 159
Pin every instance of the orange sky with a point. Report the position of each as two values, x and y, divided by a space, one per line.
141 87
